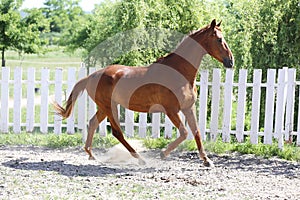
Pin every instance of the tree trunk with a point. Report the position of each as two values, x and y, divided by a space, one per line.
3 60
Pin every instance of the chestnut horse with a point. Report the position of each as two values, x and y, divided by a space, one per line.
167 85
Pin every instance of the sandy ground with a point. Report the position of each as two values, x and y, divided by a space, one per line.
43 173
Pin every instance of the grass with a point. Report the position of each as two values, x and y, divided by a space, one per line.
54 57
290 151
54 141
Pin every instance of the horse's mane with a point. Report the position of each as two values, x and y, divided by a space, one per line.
190 34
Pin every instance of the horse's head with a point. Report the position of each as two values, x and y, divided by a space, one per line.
214 43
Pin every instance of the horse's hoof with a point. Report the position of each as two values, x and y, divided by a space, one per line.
208 163
142 162
92 158
162 155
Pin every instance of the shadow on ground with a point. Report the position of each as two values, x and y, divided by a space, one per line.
67 169
183 160
237 161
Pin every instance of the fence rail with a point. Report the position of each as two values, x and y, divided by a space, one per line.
224 106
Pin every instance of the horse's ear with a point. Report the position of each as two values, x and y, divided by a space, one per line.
219 24
213 23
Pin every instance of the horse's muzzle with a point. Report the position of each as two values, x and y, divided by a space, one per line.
228 63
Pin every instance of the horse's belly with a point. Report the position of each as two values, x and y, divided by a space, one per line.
187 96
148 98
155 108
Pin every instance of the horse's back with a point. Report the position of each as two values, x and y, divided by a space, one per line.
140 88
113 81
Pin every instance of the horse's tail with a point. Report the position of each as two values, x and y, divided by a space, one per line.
76 92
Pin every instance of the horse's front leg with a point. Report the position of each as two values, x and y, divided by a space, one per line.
191 119
175 118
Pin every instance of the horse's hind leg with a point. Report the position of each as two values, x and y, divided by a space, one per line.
117 133
93 124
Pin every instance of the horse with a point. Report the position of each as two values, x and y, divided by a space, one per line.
167 86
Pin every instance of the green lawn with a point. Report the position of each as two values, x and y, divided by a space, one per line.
290 151
55 57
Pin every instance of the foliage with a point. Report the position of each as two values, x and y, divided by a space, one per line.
29 40
273 45
138 33
64 17
261 34
20 33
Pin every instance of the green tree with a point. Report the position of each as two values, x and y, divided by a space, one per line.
8 19
264 38
145 30
288 35
64 17
17 33
101 24
31 26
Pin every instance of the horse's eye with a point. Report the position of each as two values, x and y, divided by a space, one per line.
220 40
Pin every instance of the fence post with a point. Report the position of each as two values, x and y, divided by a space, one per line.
269 107
142 125
129 123
215 103
58 99
17 100
280 107
71 82
82 105
168 127
203 103
5 99
298 123
255 106
240 115
30 100
289 119
155 125
44 100
227 105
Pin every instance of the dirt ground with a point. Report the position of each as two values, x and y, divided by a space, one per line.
43 173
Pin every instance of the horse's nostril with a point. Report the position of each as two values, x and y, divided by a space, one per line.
228 63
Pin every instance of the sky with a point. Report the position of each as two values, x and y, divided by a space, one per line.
87 5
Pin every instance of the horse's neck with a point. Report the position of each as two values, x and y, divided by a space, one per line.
192 53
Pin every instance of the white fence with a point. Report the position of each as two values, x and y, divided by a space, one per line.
26 105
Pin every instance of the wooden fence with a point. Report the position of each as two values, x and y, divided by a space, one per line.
224 106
